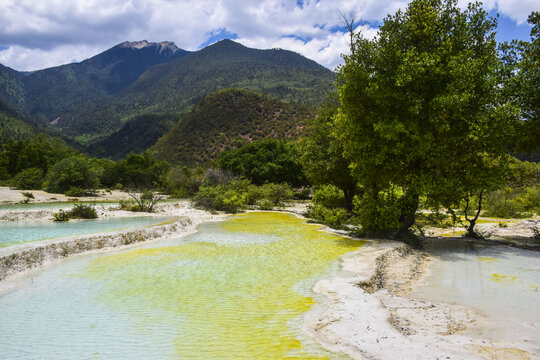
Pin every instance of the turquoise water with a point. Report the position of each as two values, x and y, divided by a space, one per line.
65 205
500 282
234 290
26 231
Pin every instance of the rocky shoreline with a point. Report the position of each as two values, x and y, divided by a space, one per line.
370 316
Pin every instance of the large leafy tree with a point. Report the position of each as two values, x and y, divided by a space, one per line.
322 154
418 113
522 83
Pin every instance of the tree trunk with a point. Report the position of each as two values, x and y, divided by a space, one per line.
472 222
407 219
349 195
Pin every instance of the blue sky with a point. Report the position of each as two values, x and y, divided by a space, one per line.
39 34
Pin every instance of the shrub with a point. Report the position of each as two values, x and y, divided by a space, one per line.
74 171
505 203
75 191
61 215
231 198
29 179
82 211
329 196
335 218
275 194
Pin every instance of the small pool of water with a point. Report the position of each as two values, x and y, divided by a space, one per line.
500 282
66 205
235 290
26 231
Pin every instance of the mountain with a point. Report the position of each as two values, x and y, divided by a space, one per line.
11 86
104 103
14 125
174 87
47 94
228 119
135 136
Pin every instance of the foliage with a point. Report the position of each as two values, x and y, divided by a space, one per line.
82 211
14 125
27 195
145 200
39 152
75 191
335 218
228 119
522 76
273 195
29 179
74 171
232 197
329 196
322 154
263 161
61 215
237 195
136 136
419 111
513 203
141 171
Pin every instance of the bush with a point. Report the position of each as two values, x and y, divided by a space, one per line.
231 198
329 196
75 191
29 179
82 211
335 218
74 171
61 215
507 203
275 194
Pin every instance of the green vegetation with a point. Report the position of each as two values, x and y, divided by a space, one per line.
238 195
322 154
420 114
71 174
226 120
79 211
14 125
264 161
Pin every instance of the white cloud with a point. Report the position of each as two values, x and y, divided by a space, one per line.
51 32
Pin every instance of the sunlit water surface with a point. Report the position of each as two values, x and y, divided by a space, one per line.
234 290
15 232
500 282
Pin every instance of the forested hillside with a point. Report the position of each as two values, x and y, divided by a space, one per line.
176 86
228 119
13 125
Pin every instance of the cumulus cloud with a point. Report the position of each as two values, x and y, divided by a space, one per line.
50 32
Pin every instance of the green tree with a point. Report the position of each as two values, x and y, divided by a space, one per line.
142 171
322 154
72 172
523 83
418 112
265 161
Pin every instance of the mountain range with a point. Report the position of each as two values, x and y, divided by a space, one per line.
131 95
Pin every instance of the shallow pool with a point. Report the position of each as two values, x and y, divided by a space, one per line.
500 282
235 290
26 231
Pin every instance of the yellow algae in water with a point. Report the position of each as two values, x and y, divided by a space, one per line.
487 259
227 300
502 278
